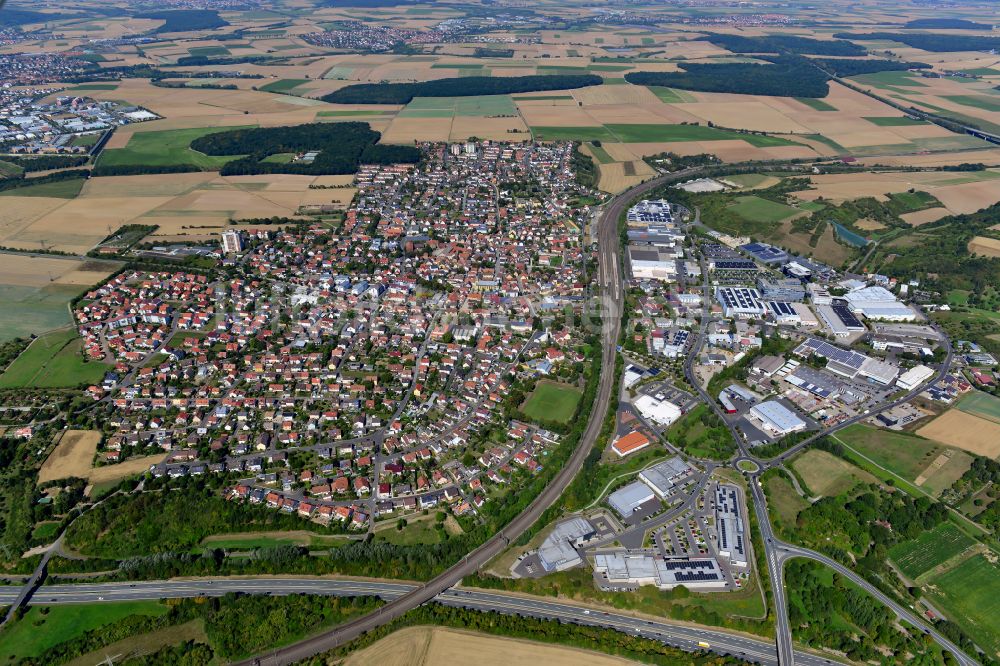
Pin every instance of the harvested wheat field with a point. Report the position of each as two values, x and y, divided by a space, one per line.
965 431
110 473
429 646
619 176
925 216
408 130
985 247
28 271
497 129
73 456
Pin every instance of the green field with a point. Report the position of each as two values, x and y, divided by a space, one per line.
284 86
167 148
890 80
208 51
747 179
60 189
670 95
667 133
906 455
783 500
816 104
53 360
757 209
981 404
639 133
28 310
353 113
976 101
918 556
338 72
969 594
601 154
95 86
7 170
893 121
914 201
552 402
39 631
445 107
596 133
542 98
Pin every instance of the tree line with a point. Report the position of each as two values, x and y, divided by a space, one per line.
785 44
340 147
928 41
403 93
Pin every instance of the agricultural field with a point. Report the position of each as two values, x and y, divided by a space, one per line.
969 594
424 646
981 404
827 475
53 360
757 209
965 431
35 291
923 462
166 148
930 549
985 246
73 456
551 401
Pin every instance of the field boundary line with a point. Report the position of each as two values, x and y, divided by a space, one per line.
950 508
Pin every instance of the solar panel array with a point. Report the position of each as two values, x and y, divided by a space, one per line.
735 265
845 357
846 316
781 308
673 565
695 576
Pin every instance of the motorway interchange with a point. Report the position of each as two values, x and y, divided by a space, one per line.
400 598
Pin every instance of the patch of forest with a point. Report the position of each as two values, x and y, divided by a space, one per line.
467 86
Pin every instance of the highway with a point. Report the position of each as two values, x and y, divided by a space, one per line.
679 635
779 552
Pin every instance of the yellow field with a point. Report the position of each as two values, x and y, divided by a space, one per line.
192 206
614 178
985 247
26 271
965 431
73 456
109 473
430 646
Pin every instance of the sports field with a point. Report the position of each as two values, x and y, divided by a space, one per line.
551 401
167 148
757 209
51 361
970 595
981 404
930 549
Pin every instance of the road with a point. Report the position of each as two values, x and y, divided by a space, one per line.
679 635
779 552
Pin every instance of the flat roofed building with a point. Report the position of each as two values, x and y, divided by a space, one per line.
630 443
660 412
652 263
729 525
624 568
784 313
664 476
776 419
914 377
785 289
559 550
834 322
844 362
878 371
878 303
649 211
743 302
627 499
764 253
806 317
